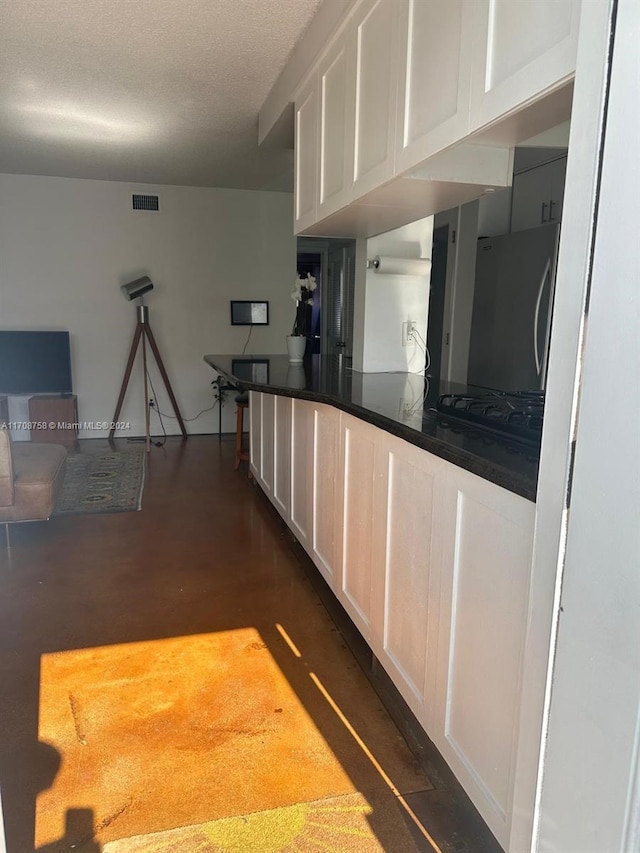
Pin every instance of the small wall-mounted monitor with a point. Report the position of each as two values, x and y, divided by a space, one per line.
247 313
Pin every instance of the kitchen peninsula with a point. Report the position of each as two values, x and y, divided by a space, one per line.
423 531
402 404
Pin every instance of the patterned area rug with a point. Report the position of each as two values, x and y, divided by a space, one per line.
102 482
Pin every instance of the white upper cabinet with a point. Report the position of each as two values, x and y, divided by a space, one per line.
522 50
434 78
306 154
537 195
373 31
404 83
336 127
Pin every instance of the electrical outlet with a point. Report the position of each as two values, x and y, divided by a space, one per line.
406 407
408 328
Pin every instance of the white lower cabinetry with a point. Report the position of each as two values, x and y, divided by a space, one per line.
281 455
407 561
486 562
325 475
301 490
359 496
431 563
267 434
270 447
255 433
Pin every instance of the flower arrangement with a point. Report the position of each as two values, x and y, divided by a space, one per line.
302 296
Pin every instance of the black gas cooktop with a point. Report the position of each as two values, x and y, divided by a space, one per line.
517 414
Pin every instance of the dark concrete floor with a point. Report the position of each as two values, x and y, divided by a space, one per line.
206 559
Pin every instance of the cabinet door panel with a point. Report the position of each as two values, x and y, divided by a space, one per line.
407 571
359 455
546 25
435 78
407 567
306 148
558 177
282 454
336 129
301 471
375 94
530 198
266 437
522 50
255 433
325 474
537 195
479 680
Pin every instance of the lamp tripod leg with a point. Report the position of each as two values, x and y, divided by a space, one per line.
127 375
147 440
165 378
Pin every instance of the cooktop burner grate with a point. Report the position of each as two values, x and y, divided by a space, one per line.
515 414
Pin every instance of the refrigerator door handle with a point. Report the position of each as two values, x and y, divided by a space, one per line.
536 319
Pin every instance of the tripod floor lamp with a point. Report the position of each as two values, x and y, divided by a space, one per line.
136 290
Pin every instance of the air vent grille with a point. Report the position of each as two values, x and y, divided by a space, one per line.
146 202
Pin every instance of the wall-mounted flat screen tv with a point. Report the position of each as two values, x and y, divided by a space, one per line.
35 363
247 313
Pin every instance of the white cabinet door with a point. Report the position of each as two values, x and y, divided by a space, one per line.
281 455
373 34
306 155
487 544
407 573
360 525
530 198
301 482
255 431
336 128
558 178
523 50
266 443
537 195
325 475
270 447
434 78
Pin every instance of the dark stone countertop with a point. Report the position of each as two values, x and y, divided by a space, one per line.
399 403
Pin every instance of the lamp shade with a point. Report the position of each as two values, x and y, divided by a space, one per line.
137 288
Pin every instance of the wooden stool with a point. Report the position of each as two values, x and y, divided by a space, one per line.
242 403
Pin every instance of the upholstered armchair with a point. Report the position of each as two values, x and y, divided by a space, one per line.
30 478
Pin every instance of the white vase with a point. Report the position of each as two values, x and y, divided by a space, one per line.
295 347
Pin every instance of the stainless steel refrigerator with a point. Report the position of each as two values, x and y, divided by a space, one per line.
512 308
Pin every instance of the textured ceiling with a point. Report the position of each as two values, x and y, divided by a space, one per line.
150 91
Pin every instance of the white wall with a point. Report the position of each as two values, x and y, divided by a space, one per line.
386 301
66 245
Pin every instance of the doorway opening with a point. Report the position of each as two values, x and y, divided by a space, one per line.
333 265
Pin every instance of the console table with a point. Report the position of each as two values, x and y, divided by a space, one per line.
58 415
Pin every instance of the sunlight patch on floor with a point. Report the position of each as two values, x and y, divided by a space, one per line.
166 733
